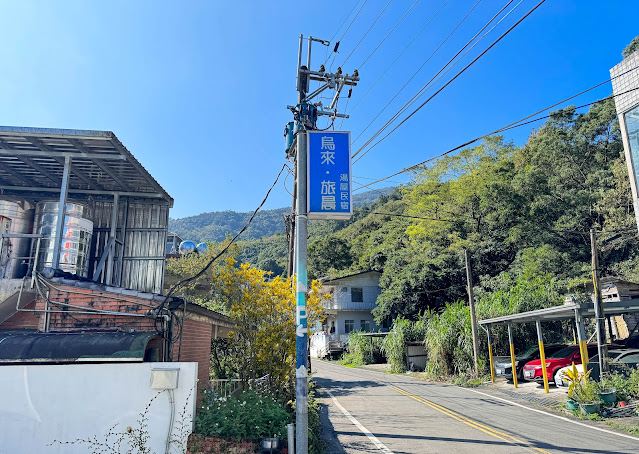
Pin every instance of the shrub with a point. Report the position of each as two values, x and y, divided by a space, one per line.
248 415
394 345
363 350
315 442
581 389
626 384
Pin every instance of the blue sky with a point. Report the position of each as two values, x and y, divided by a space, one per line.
197 90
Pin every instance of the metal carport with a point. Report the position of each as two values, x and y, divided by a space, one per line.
567 311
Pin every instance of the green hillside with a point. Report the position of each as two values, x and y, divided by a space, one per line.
523 213
214 226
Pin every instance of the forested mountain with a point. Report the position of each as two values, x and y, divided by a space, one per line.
214 226
523 213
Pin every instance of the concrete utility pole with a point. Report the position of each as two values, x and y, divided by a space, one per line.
473 317
306 114
602 346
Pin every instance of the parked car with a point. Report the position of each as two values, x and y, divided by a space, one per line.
555 361
503 364
627 356
628 359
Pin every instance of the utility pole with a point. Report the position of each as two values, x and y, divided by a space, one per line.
306 114
602 346
473 317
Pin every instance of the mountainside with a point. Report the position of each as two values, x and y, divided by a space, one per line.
215 225
523 213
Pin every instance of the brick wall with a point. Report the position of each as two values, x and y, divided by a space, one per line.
196 346
96 300
197 329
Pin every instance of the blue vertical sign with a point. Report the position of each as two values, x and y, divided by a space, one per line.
329 175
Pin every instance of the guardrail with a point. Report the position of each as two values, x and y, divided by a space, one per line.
8 262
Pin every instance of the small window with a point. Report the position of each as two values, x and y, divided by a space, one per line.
343 289
357 295
365 325
349 326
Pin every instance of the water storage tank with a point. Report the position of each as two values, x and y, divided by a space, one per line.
14 252
76 236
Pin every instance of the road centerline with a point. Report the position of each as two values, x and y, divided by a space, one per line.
481 427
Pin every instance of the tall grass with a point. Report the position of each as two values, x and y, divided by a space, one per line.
394 345
448 341
363 350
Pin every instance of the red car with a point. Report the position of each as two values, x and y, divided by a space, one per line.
564 357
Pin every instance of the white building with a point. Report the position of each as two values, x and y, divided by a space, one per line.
349 309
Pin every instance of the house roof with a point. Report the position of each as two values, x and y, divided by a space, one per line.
32 162
19 347
349 276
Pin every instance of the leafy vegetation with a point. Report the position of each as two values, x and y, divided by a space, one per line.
214 226
248 414
363 350
394 345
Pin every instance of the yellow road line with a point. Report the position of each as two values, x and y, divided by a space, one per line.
488 430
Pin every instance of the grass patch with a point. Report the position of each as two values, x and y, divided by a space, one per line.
633 430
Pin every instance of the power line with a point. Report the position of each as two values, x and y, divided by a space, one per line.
389 33
344 34
513 125
437 76
343 22
411 78
458 74
369 29
225 248
369 178
411 217
398 56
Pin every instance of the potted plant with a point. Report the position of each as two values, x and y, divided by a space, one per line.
571 376
606 391
582 391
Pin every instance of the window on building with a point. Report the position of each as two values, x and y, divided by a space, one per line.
365 325
357 295
349 326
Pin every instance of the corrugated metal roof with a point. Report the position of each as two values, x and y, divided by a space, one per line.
565 312
32 159
18 347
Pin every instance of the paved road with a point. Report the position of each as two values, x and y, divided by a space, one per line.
368 411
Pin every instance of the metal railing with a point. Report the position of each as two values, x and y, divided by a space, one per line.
225 387
29 260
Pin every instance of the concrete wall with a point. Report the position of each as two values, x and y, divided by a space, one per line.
342 292
8 287
357 316
44 403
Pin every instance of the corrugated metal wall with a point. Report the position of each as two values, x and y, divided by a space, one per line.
139 262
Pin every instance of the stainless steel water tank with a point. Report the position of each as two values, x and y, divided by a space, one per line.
14 252
76 236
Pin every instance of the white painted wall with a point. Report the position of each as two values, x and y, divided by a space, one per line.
342 296
43 403
342 316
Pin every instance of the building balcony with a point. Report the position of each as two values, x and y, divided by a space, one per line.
349 306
